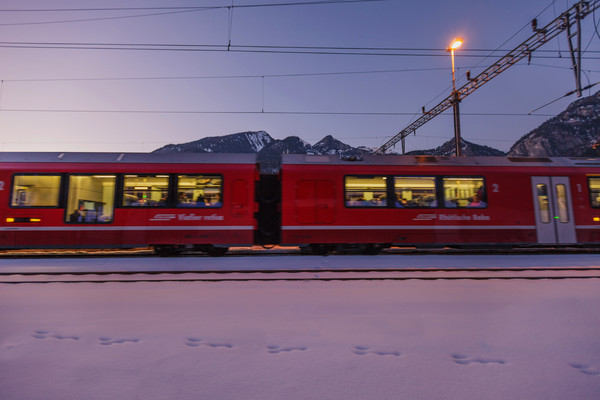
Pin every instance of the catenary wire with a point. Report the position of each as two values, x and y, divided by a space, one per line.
365 51
163 10
255 5
81 111
260 76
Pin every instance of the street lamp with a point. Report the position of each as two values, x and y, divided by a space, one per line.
456 43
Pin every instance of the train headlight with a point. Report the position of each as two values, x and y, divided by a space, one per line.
22 219
596 219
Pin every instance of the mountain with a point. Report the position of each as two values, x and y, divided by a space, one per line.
330 145
572 133
269 150
245 142
467 148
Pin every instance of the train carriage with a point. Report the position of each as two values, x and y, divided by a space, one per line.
209 202
373 202
123 200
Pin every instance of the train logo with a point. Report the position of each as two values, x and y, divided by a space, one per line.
163 217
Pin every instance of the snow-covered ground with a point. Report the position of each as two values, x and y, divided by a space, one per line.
496 339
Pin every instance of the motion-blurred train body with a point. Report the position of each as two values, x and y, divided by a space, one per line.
210 202
105 200
431 201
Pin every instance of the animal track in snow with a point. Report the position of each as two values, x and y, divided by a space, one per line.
466 360
364 350
106 341
41 334
197 342
272 349
585 369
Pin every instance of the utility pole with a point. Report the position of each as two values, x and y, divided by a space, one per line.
576 50
456 43
566 21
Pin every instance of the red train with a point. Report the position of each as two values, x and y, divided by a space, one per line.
105 200
210 202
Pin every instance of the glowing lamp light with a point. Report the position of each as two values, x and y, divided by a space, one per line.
596 219
456 43
22 219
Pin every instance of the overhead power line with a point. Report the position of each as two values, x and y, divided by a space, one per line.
155 11
279 4
359 113
65 21
226 47
258 76
591 85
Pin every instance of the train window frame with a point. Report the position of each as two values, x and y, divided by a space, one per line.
433 203
594 203
163 202
59 194
367 203
452 204
195 204
71 218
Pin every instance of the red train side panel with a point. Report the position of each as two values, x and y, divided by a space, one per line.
126 200
403 200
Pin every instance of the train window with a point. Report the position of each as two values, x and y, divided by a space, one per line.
145 190
561 201
594 185
199 191
543 205
366 191
91 198
464 192
415 191
35 191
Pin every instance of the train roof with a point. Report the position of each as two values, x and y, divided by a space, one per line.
404 160
134 158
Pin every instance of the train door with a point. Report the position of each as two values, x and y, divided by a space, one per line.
315 202
553 210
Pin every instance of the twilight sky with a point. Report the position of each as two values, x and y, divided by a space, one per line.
147 73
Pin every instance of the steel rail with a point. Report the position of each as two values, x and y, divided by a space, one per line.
536 273
297 271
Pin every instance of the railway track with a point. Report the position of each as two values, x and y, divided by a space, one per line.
301 275
280 251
